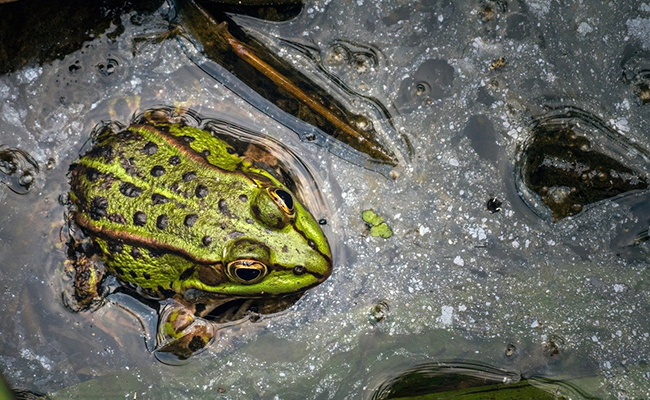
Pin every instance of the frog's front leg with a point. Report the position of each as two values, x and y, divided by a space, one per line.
180 332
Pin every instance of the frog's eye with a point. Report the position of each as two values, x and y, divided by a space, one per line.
247 272
283 199
274 207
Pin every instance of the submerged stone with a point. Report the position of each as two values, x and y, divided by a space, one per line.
569 173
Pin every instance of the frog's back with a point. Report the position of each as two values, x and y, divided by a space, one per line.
174 208
156 189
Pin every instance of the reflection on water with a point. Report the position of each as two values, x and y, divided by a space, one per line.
472 273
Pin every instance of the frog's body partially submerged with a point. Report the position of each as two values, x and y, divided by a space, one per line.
177 213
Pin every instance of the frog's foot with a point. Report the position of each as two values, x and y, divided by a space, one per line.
87 278
181 333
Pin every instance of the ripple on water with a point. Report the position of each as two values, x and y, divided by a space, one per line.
18 169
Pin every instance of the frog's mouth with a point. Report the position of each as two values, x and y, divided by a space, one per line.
235 309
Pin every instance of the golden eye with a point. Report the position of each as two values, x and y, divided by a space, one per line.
247 272
283 199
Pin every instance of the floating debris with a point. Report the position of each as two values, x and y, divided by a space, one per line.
223 42
493 205
378 228
379 312
498 64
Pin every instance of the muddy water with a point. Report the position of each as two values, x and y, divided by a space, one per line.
510 289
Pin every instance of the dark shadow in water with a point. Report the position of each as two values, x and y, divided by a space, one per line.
472 380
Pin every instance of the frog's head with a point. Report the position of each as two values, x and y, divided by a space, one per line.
288 253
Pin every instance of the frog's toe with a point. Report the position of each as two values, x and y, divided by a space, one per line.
181 333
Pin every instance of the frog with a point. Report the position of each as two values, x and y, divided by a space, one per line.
178 216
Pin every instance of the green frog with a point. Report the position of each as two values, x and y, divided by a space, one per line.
177 214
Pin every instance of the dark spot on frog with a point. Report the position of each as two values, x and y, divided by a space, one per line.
133 274
117 218
119 271
186 274
230 150
146 276
157 198
98 207
139 218
493 205
196 344
207 240
93 174
187 139
188 176
135 253
298 270
130 190
150 148
223 225
322 221
285 249
190 220
206 153
157 171
243 198
311 244
250 221
223 207
115 247
162 221
201 191
174 160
